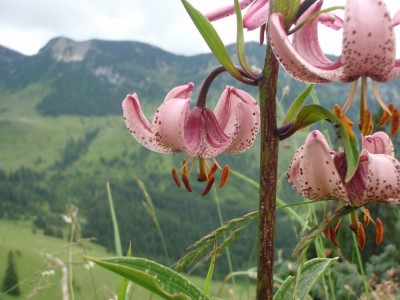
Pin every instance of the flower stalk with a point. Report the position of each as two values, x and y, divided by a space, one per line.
268 176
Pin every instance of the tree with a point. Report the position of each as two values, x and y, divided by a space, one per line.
10 282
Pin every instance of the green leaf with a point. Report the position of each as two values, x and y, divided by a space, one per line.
240 41
231 229
317 230
311 271
213 40
124 282
312 113
117 239
288 9
297 104
157 278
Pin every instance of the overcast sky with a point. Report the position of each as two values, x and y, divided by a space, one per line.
26 25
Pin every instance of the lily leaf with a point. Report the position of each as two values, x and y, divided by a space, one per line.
313 113
297 104
311 271
157 278
213 40
231 229
317 230
240 41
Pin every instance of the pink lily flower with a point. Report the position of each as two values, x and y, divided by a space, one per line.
317 172
200 132
368 45
258 13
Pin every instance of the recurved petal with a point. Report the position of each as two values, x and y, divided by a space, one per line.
368 40
312 171
169 123
247 123
193 131
378 143
203 135
226 10
256 15
182 92
383 178
306 41
138 125
331 20
355 188
314 68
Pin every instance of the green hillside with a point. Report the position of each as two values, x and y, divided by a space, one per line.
39 261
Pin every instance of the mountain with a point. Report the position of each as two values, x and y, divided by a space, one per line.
8 55
92 77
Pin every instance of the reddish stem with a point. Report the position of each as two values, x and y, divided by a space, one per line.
268 176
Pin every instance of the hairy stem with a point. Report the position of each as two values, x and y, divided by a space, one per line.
268 176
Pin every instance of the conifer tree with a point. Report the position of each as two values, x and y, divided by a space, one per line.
10 281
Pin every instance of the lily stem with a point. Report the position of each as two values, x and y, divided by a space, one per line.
268 176
202 99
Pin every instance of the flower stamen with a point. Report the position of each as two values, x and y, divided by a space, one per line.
176 177
186 182
225 176
379 231
208 186
347 123
361 236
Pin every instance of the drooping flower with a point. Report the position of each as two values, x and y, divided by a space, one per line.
368 50
317 172
200 132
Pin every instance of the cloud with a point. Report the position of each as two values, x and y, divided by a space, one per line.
27 25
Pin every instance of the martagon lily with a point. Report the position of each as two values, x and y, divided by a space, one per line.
368 50
200 132
317 172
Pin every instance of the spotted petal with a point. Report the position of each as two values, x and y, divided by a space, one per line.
165 134
312 171
383 179
378 143
368 46
139 127
239 116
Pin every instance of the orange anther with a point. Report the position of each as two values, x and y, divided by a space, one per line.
394 128
332 235
186 182
212 170
208 186
386 116
176 178
366 124
361 236
347 123
226 171
327 232
379 231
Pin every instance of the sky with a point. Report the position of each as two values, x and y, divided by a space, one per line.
26 25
